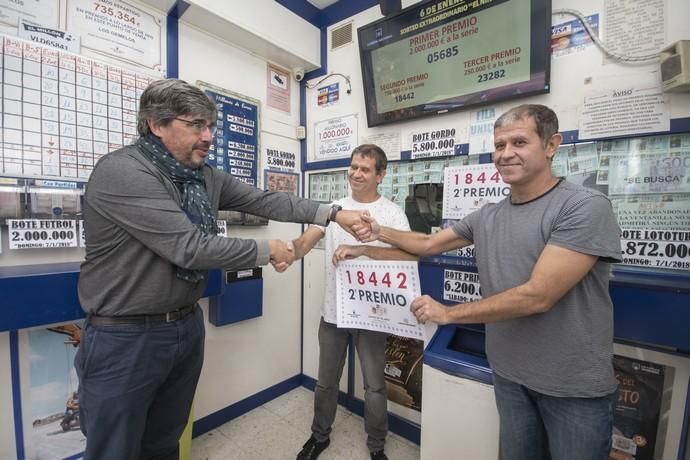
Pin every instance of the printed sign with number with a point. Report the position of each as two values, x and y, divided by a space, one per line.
222 228
335 138
42 233
656 248
376 295
461 286
468 188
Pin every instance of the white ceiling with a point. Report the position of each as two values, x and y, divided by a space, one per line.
321 4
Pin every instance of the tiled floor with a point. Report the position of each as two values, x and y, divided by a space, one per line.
277 430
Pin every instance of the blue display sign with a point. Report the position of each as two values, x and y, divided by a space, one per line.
235 146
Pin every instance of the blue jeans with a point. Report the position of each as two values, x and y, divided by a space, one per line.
136 386
371 348
535 426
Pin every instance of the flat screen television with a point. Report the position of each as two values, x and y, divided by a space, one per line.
440 56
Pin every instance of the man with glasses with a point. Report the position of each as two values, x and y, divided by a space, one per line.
150 220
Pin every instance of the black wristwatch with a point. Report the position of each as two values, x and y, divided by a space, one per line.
331 214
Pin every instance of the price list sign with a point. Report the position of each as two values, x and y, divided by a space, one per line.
42 233
235 147
376 295
461 286
468 188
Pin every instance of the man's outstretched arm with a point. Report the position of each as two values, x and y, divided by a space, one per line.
556 272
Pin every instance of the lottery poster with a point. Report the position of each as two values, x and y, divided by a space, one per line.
650 173
468 188
403 371
376 295
637 412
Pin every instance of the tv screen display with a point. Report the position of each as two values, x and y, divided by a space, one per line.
447 55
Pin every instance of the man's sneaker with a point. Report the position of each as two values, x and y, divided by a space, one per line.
378 455
313 448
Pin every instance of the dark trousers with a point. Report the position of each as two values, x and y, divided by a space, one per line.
136 386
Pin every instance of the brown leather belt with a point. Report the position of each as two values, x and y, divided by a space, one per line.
169 317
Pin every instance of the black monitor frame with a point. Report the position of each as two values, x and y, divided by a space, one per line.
387 31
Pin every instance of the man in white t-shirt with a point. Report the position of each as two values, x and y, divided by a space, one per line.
367 169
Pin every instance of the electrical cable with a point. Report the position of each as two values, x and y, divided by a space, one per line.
347 79
601 44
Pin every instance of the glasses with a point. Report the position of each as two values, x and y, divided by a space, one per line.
198 125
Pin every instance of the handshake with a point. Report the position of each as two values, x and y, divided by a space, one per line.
359 224
282 254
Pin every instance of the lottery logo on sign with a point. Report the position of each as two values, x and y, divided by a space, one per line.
377 296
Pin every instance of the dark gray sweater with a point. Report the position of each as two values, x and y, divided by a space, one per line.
137 235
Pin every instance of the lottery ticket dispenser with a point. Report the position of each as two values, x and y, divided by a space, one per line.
241 297
459 351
